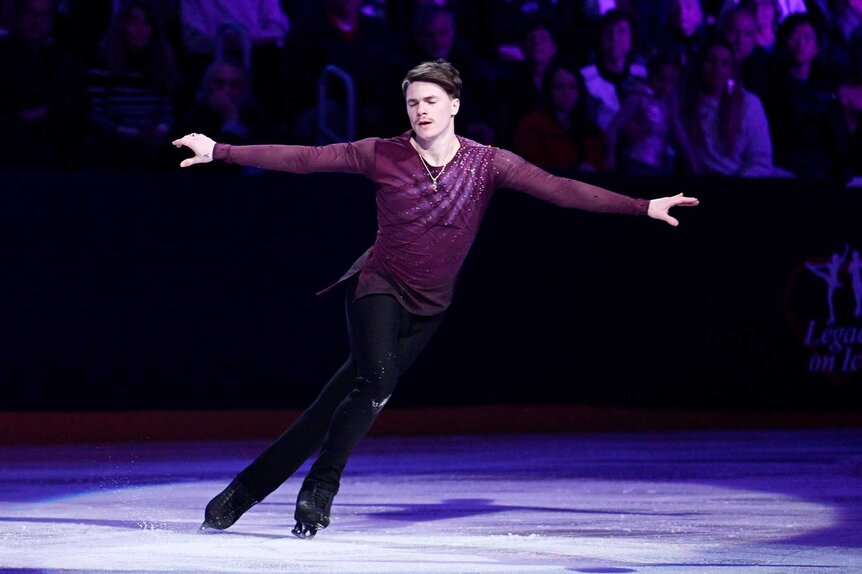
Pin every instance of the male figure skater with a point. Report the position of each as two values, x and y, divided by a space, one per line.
432 190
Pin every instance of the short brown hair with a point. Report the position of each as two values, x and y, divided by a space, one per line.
438 72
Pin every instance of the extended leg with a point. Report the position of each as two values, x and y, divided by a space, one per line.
286 454
283 457
385 340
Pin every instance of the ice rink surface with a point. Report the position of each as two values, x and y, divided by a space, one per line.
723 502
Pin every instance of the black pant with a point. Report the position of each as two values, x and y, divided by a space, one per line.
385 339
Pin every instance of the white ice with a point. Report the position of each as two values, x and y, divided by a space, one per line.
729 502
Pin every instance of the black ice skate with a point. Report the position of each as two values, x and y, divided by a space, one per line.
313 506
227 506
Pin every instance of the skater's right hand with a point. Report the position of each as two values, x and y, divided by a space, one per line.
658 208
198 143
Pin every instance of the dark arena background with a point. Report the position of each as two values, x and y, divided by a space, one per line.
188 291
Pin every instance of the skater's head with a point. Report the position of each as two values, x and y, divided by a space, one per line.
438 72
432 91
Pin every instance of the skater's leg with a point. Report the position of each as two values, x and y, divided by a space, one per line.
305 435
301 439
283 457
385 341
286 454
372 321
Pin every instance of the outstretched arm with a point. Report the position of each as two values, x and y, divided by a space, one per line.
354 157
516 173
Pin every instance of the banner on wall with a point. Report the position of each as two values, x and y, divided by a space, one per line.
824 307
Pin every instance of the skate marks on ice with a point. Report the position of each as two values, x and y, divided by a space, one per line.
681 503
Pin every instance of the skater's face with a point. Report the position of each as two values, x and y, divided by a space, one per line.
430 109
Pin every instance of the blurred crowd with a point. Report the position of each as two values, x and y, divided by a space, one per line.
748 88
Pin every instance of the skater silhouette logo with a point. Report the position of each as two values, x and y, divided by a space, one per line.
824 303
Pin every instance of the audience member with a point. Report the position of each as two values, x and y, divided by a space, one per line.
262 24
686 30
840 24
152 61
646 135
340 34
559 135
616 69
768 13
225 106
738 27
725 123
850 95
520 84
131 86
435 36
82 24
806 119
42 94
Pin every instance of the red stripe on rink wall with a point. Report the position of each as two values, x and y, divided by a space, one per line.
83 427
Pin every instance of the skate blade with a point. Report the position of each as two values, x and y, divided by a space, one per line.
211 526
208 528
304 531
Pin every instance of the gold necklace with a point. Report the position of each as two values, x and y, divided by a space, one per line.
428 169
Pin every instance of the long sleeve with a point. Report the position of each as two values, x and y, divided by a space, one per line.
353 157
516 173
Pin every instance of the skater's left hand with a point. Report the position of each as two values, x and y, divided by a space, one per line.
659 207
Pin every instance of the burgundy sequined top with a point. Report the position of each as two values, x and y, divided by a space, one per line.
424 235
